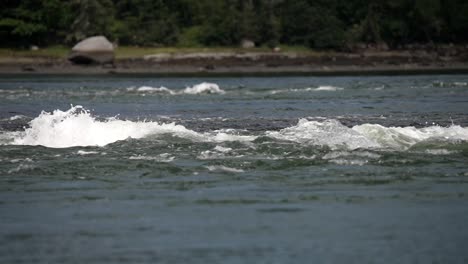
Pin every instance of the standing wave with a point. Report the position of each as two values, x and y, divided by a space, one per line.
77 127
335 135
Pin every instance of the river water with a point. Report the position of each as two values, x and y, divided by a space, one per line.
138 169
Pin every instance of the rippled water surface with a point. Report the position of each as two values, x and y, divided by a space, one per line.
234 170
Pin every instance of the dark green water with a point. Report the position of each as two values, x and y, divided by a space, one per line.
235 170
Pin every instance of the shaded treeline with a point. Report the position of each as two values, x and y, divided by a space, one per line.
320 24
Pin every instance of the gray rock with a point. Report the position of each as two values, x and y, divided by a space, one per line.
93 50
247 44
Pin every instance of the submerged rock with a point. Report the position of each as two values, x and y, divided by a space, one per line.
93 50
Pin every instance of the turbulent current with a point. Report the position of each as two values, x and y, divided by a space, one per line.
77 127
234 170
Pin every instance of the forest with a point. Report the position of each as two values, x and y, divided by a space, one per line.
317 24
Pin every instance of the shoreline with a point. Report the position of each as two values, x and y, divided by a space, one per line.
249 64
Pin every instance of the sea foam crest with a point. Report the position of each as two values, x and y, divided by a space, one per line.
327 88
202 88
148 89
406 137
77 127
322 88
335 135
329 133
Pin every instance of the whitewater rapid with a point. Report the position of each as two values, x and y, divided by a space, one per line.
78 127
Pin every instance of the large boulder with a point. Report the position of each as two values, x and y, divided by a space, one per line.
93 50
247 44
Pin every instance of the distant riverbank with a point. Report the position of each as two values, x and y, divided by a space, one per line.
249 62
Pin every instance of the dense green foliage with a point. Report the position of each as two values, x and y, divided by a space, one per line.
321 24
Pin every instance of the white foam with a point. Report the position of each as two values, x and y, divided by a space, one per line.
210 88
224 168
202 88
77 127
329 133
84 153
350 157
218 152
406 137
155 90
354 162
211 155
17 117
222 149
328 88
226 137
361 154
165 157
22 167
440 152
333 134
21 160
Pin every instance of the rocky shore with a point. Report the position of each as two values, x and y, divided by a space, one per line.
450 60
